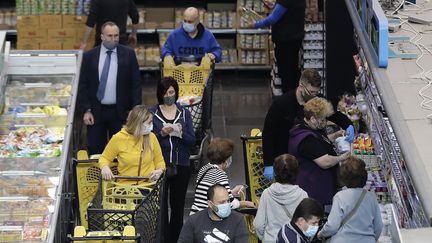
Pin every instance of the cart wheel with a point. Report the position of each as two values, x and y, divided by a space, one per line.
79 231
129 231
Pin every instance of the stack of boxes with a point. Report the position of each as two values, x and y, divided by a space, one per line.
51 24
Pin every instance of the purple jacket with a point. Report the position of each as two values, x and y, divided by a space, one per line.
320 184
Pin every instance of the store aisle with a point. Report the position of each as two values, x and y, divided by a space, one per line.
240 102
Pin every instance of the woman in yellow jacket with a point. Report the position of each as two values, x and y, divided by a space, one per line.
136 148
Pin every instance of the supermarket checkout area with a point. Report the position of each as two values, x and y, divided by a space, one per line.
394 76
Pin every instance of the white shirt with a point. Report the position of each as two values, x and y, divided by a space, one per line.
110 90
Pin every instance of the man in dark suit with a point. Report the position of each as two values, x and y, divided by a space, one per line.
109 87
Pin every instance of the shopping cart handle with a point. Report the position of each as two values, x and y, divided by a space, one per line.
181 59
88 238
250 211
132 177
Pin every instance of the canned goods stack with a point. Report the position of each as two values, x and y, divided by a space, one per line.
253 49
220 19
250 9
229 57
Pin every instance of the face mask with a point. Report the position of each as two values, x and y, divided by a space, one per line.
110 45
169 100
306 95
229 162
188 27
311 231
147 129
223 210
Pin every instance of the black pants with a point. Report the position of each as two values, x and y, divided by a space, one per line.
177 186
99 133
287 58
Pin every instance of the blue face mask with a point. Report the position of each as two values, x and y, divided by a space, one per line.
311 231
223 210
188 27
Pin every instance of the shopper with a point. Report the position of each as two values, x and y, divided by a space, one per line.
174 130
304 224
278 202
109 87
218 223
219 153
355 215
117 11
318 161
192 39
287 22
281 117
136 148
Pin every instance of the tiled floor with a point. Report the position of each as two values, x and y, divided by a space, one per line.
240 102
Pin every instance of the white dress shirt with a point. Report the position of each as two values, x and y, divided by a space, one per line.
110 90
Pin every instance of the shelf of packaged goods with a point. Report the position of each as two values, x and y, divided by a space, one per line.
411 213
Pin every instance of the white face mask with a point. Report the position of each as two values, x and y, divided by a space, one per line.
147 129
188 27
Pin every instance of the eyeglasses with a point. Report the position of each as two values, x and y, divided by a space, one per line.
308 91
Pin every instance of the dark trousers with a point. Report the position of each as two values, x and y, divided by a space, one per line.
99 133
176 186
287 58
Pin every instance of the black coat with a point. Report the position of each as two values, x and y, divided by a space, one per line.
128 82
281 118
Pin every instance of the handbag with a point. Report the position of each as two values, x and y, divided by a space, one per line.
171 168
353 211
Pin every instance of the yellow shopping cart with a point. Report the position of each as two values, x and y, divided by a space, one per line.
108 208
254 169
194 77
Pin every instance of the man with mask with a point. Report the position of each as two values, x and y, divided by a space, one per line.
109 87
216 224
192 39
304 223
283 112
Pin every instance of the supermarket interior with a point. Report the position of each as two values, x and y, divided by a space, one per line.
227 87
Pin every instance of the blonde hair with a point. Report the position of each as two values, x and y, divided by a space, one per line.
318 107
135 124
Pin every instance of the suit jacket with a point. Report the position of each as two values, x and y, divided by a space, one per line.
128 82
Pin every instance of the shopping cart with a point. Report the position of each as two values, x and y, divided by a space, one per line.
194 77
107 208
254 169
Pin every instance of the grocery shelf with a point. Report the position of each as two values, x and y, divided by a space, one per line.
253 31
10 31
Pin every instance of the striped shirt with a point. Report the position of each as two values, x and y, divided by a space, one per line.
214 175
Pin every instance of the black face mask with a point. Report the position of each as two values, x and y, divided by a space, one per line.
306 97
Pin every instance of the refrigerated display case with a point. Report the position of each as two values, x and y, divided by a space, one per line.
398 125
38 98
